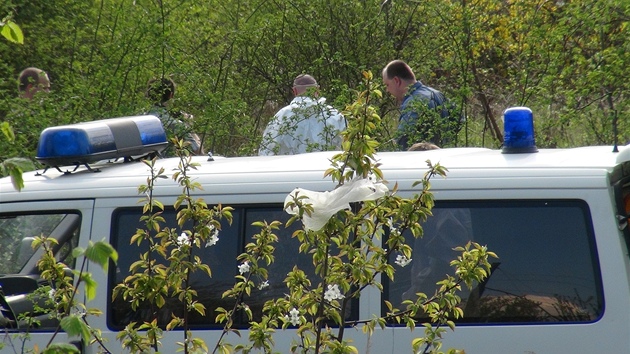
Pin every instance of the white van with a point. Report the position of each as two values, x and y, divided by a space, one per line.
557 219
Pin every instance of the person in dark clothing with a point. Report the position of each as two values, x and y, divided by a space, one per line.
160 92
424 111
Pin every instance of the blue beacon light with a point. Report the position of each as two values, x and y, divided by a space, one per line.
83 143
518 125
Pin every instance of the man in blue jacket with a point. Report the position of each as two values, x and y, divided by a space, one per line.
424 113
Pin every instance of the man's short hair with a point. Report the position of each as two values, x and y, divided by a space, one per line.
305 80
30 76
398 68
423 146
160 90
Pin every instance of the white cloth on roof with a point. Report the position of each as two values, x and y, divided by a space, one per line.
327 204
305 125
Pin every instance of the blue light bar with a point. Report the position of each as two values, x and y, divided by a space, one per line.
518 124
101 140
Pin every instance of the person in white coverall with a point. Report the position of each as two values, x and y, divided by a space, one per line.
307 124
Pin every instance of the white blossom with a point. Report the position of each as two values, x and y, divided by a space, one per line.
214 238
293 317
51 294
333 293
243 268
393 230
79 312
263 285
183 239
390 223
402 260
212 241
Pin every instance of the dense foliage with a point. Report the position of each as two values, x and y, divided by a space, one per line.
234 62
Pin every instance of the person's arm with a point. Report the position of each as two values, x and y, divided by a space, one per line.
406 125
337 123
326 130
268 143
195 143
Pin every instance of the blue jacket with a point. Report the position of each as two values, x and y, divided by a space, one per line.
409 115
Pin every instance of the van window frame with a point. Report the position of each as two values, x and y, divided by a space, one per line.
241 209
29 274
621 189
494 203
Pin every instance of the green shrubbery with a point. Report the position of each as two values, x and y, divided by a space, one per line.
234 62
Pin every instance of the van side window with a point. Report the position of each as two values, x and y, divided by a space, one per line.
622 200
221 258
547 270
19 277
222 261
18 230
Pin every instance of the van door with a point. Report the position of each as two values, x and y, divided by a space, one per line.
69 223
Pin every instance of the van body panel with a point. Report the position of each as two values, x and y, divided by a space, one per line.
464 162
582 176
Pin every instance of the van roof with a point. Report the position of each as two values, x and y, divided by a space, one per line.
307 169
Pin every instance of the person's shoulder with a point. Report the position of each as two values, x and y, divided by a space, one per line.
434 90
420 88
413 96
301 101
334 112
157 111
420 91
284 111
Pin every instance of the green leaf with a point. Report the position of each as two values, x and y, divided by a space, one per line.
7 131
90 285
100 253
12 32
74 326
61 348
77 252
14 167
16 178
